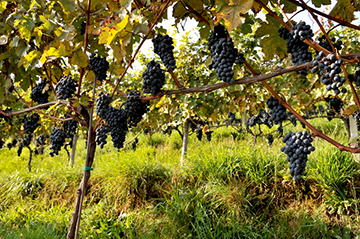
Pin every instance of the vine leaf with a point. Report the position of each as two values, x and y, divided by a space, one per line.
343 10
271 42
108 34
230 11
350 110
288 6
318 3
68 5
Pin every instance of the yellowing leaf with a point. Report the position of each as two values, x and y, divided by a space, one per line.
68 5
29 58
108 34
79 58
2 6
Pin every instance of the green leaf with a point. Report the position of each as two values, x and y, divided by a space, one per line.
68 5
2 95
343 10
272 44
79 58
318 3
288 6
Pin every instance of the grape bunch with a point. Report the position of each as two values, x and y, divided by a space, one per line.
30 123
325 44
65 87
102 104
116 120
70 127
99 65
284 33
356 77
295 45
135 108
199 132
270 139
329 70
40 93
133 145
335 103
12 143
41 140
297 148
57 140
276 110
101 135
224 54
163 46
154 78
231 116
208 135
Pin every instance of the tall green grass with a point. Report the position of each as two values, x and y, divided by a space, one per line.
225 189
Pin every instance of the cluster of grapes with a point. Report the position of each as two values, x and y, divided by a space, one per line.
276 110
40 93
284 33
101 135
163 46
231 116
325 44
154 78
356 77
65 87
135 108
224 54
115 119
99 66
199 131
262 118
57 140
41 140
70 127
133 145
335 103
295 45
270 139
30 123
329 72
8 110
208 135
12 143
298 147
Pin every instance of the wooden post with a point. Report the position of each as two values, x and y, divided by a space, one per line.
185 142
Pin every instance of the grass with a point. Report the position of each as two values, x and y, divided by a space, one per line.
225 189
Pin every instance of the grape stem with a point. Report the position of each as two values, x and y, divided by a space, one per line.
192 10
317 133
176 80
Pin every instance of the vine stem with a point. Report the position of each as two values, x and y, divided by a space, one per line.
176 80
317 133
241 81
344 23
87 161
283 12
140 45
86 39
356 97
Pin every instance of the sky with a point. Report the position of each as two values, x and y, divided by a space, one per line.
191 24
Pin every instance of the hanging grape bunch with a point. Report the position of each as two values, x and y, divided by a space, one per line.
70 127
295 46
135 108
154 78
325 44
329 70
163 46
297 148
224 54
65 87
270 139
99 66
356 77
57 140
101 135
40 93
276 110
